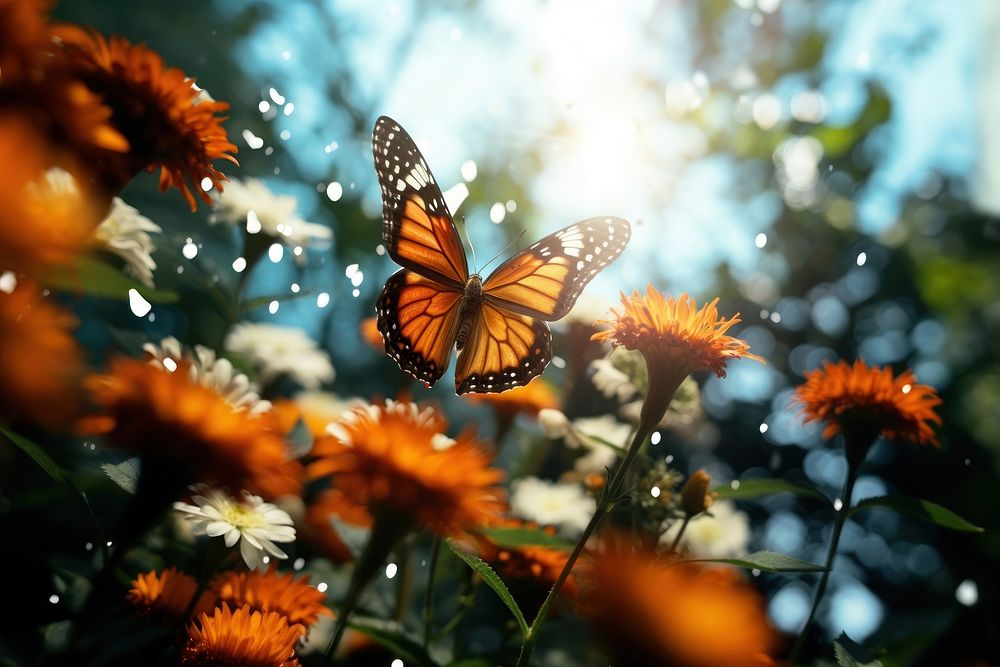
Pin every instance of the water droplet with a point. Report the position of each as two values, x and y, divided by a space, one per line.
334 191
206 184
295 288
655 492
469 170
190 250
838 504
763 427
140 307
390 570
356 293
321 587
275 252
322 300
239 264
266 560
273 307
760 240
253 223
380 249
862 258
54 599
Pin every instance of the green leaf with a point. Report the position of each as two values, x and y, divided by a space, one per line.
524 537
94 277
390 635
52 469
124 473
756 488
922 509
492 580
768 561
850 654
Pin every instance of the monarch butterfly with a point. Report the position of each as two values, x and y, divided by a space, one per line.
433 303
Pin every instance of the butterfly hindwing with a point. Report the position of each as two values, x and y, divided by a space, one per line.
418 319
545 280
417 229
504 350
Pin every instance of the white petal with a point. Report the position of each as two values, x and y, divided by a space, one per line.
251 556
216 528
232 537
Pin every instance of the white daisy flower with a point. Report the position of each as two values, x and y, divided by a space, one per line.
209 371
276 350
724 534
252 203
591 434
126 233
256 525
552 504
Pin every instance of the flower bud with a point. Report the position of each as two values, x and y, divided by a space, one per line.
695 496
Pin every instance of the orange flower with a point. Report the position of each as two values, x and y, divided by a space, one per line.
166 416
536 564
395 459
678 616
527 399
166 120
25 38
47 216
859 399
242 638
370 333
676 338
318 527
168 594
40 363
268 591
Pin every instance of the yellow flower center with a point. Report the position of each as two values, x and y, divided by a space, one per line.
240 516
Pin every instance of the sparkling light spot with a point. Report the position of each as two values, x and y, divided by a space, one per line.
140 307
760 240
299 563
390 570
266 560
54 599
469 170
190 250
334 191
273 307
838 504
264 106
170 364
558 361
862 258
456 34
8 281
906 389
511 205
655 492
497 213
396 663
253 141
286 55
763 427
295 288
285 135
276 96
239 264
655 438
289 108
89 546
735 484
776 317
322 300
766 111
321 587
967 593
206 184
253 223
275 252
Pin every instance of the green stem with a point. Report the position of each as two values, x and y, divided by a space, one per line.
838 526
680 533
429 607
389 528
605 502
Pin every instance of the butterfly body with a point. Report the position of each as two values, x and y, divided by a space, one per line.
472 302
434 304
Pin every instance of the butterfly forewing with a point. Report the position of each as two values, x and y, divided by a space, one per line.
545 280
418 319
417 228
504 350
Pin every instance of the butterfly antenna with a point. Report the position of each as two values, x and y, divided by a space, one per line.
468 238
504 249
